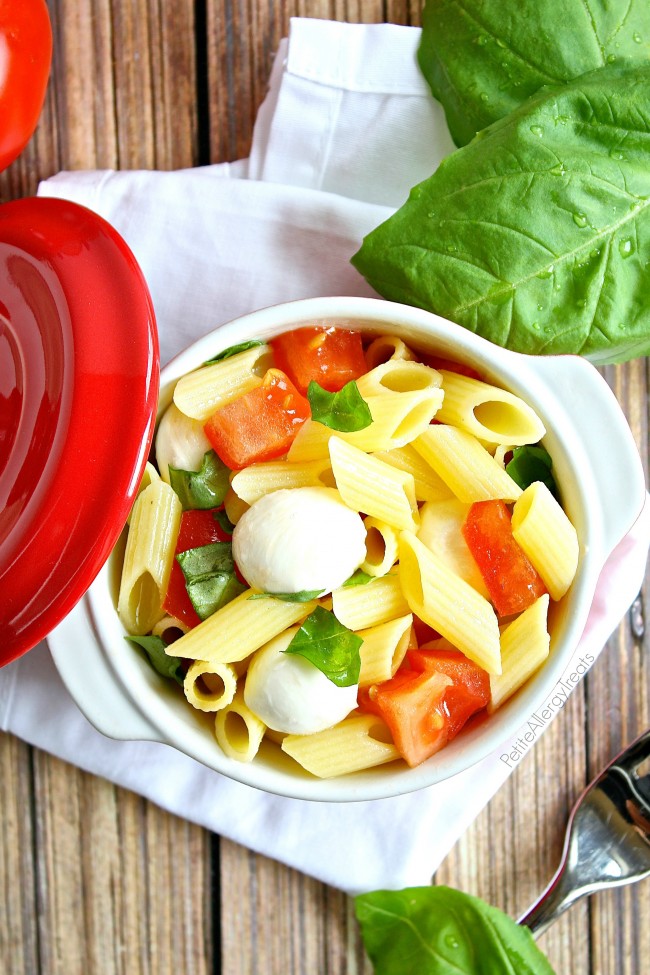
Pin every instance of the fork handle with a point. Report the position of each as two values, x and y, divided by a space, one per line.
553 902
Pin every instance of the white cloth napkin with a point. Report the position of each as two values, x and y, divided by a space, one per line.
347 128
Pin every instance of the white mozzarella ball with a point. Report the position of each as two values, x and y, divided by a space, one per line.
298 539
290 694
180 442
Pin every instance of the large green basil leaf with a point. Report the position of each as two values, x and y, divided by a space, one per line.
483 58
442 931
330 646
345 410
205 488
162 662
210 577
537 234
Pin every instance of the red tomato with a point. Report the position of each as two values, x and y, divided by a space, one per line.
439 362
197 528
412 705
260 425
511 579
25 56
331 356
470 684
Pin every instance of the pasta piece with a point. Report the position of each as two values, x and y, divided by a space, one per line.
149 475
239 732
148 557
493 415
359 607
440 529
381 547
383 649
398 376
210 687
252 483
387 347
234 506
367 484
465 465
198 394
397 418
240 627
448 604
169 629
524 648
359 742
429 486
548 538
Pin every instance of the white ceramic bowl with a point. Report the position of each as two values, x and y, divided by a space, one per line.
601 480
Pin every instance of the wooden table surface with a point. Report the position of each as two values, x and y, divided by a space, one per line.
96 880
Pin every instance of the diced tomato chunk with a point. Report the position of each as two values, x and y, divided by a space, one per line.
197 528
412 705
423 632
259 425
469 691
330 356
512 581
439 362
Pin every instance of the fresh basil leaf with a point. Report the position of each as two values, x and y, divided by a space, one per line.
210 577
441 931
537 235
226 524
205 488
529 464
330 646
358 578
345 411
304 596
482 62
233 350
162 663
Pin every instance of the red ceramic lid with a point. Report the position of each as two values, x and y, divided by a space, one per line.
79 373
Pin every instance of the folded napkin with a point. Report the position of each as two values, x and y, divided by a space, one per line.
347 128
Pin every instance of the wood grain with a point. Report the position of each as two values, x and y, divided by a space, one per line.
96 880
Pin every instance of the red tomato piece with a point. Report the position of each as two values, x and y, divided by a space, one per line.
510 577
330 356
26 46
260 425
197 528
412 705
423 632
469 691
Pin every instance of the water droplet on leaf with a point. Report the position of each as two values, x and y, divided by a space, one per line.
537 130
626 247
580 219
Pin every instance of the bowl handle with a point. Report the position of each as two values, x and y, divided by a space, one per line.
93 686
611 455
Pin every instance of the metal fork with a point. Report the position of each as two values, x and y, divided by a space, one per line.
607 841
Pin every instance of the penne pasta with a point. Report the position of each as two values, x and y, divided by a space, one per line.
149 475
381 547
383 649
200 393
465 465
369 485
359 607
210 687
448 604
387 347
234 506
239 732
541 528
398 376
169 629
440 529
490 414
429 486
524 648
240 627
359 742
148 557
252 483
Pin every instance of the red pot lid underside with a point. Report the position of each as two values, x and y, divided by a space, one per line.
79 374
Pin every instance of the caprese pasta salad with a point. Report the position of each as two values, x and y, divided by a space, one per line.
345 545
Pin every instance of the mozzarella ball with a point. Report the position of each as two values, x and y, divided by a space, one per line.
180 442
298 539
290 694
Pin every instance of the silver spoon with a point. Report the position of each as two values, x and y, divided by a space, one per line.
607 841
